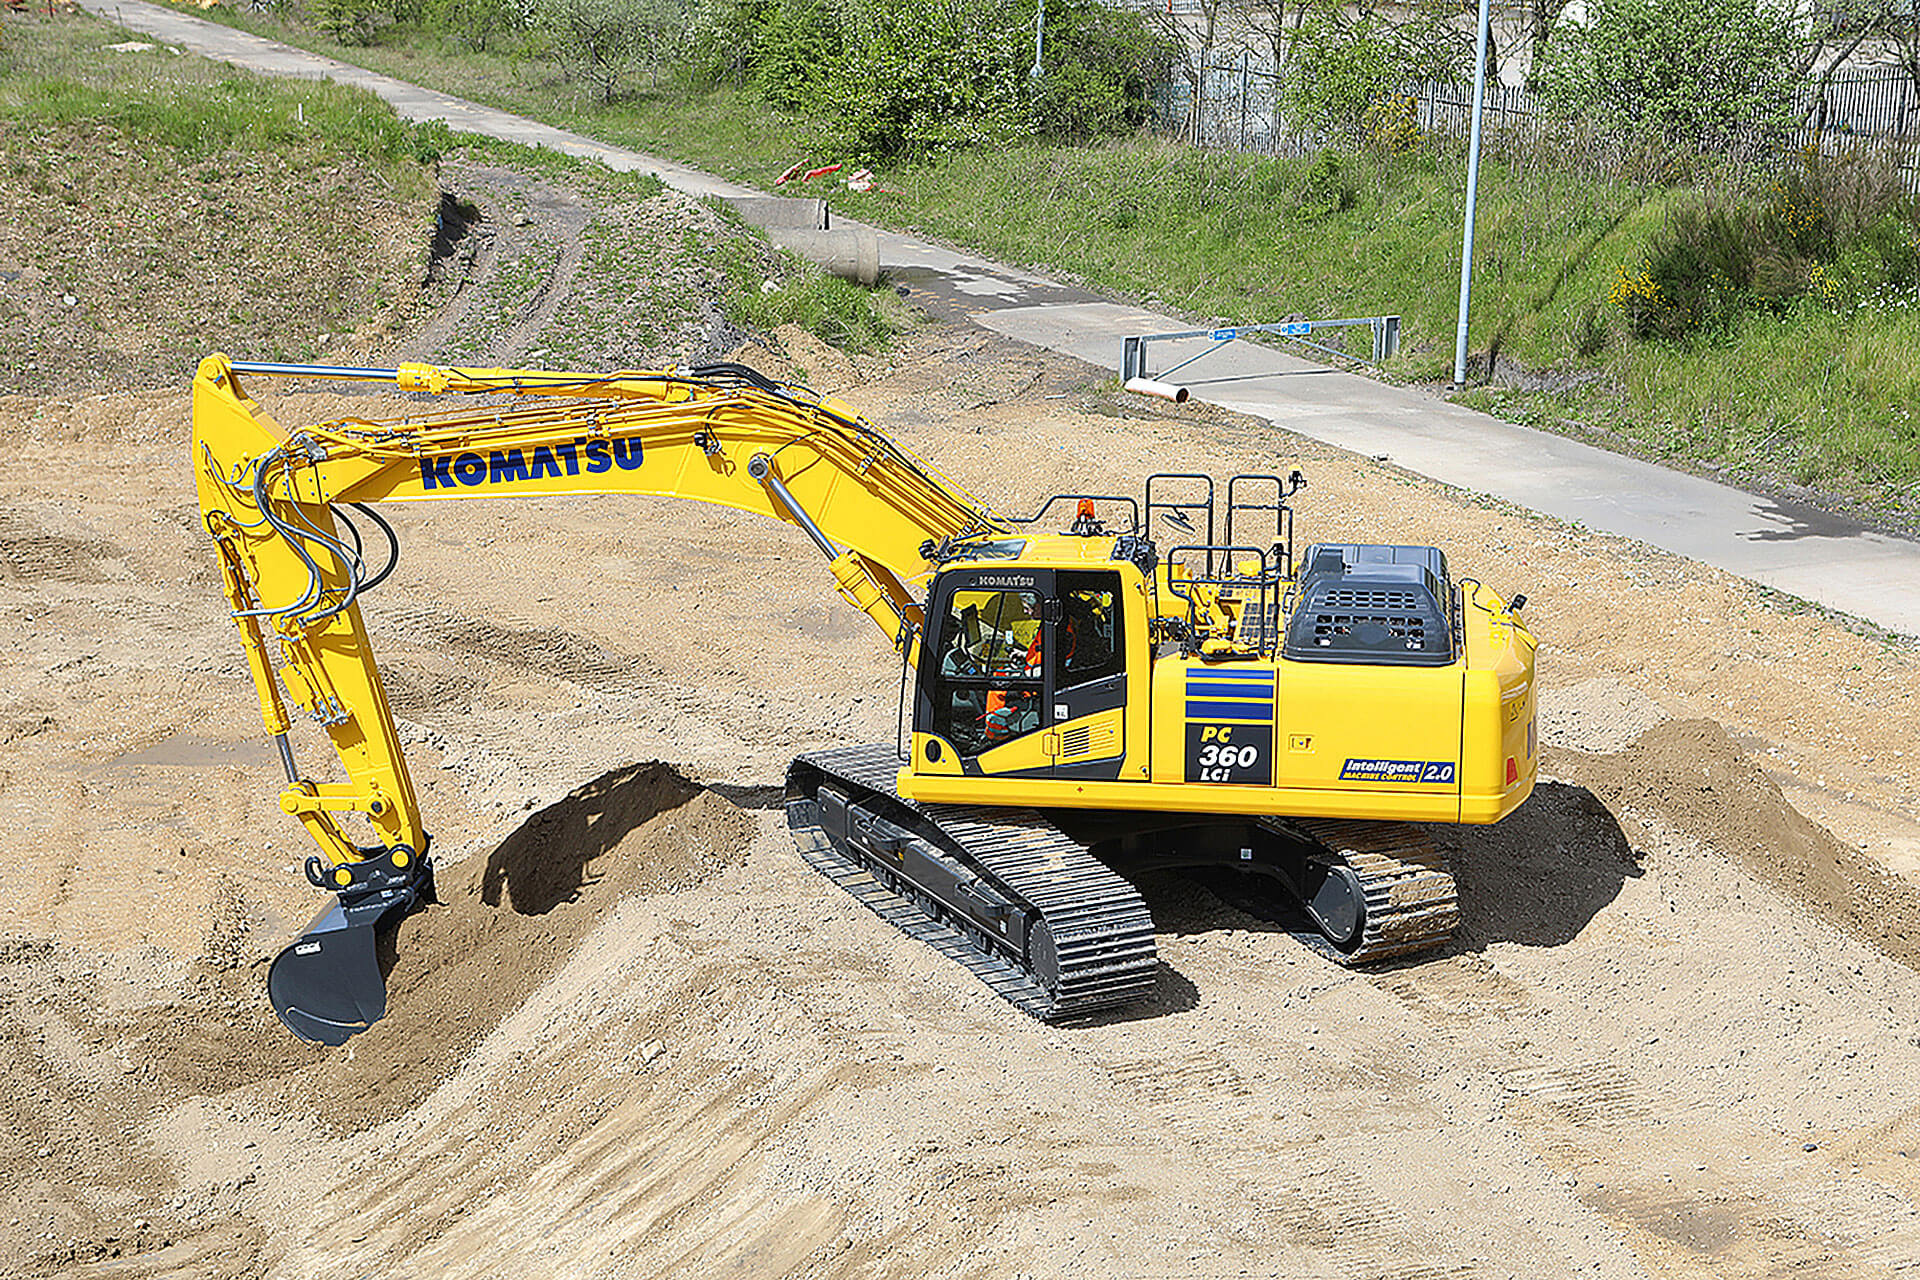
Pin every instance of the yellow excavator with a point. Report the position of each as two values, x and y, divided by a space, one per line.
1087 701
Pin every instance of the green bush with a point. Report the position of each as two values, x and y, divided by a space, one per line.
1700 73
1327 189
795 45
351 22
1098 70
1830 231
879 79
924 75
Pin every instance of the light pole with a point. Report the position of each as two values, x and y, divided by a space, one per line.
1473 190
1039 36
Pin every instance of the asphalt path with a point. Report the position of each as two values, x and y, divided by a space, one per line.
1788 546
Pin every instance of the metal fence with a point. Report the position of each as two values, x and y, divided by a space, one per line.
1871 107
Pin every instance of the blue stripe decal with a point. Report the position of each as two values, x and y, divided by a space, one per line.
1210 688
1261 711
1251 677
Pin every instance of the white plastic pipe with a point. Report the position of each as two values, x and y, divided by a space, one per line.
1151 387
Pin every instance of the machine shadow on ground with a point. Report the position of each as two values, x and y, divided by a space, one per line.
1538 878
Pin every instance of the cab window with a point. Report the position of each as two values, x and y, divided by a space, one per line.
1087 643
990 669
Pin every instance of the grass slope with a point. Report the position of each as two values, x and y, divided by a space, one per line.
1815 401
162 207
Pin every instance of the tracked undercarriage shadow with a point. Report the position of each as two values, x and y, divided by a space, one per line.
1543 874
1538 878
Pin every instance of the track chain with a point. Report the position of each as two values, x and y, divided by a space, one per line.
1412 902
1096 925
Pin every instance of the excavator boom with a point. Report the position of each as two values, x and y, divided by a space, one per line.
293 568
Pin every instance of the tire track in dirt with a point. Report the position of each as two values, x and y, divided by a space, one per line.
521 223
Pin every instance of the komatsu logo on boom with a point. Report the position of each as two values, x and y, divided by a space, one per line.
508 466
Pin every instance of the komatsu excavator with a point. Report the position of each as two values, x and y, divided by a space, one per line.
1086 701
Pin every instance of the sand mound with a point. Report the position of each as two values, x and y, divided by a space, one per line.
505 925
1599 715
1694 777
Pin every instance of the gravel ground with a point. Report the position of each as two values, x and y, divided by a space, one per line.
1674 1037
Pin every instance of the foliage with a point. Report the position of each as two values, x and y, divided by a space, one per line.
601 43
1327 189
351 22
924 75
477 24
1830 231
1343 61
1702 73
795 47
720 44
885 78
1099 68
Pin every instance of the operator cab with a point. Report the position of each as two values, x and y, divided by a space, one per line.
1031 643
1017 650
1037 660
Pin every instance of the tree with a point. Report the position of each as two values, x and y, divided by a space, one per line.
1542 17
601 42
1099 68
1701 73
795 46
1192 54
1345 60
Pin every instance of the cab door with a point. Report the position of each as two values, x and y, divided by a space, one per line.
1087 673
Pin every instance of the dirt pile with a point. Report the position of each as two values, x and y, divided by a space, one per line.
1691 776
596 270
505 926
94 1053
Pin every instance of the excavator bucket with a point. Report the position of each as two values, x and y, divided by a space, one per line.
327 984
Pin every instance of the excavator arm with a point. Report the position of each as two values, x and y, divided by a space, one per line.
293 566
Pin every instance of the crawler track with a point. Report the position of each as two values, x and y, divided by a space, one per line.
1411 902
1004 892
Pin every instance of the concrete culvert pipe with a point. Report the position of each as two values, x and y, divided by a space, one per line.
1164 390
796 213
851 255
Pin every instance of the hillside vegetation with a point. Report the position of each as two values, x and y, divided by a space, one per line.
1777 359
161 207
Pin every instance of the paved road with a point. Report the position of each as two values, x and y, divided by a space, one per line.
1790 547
